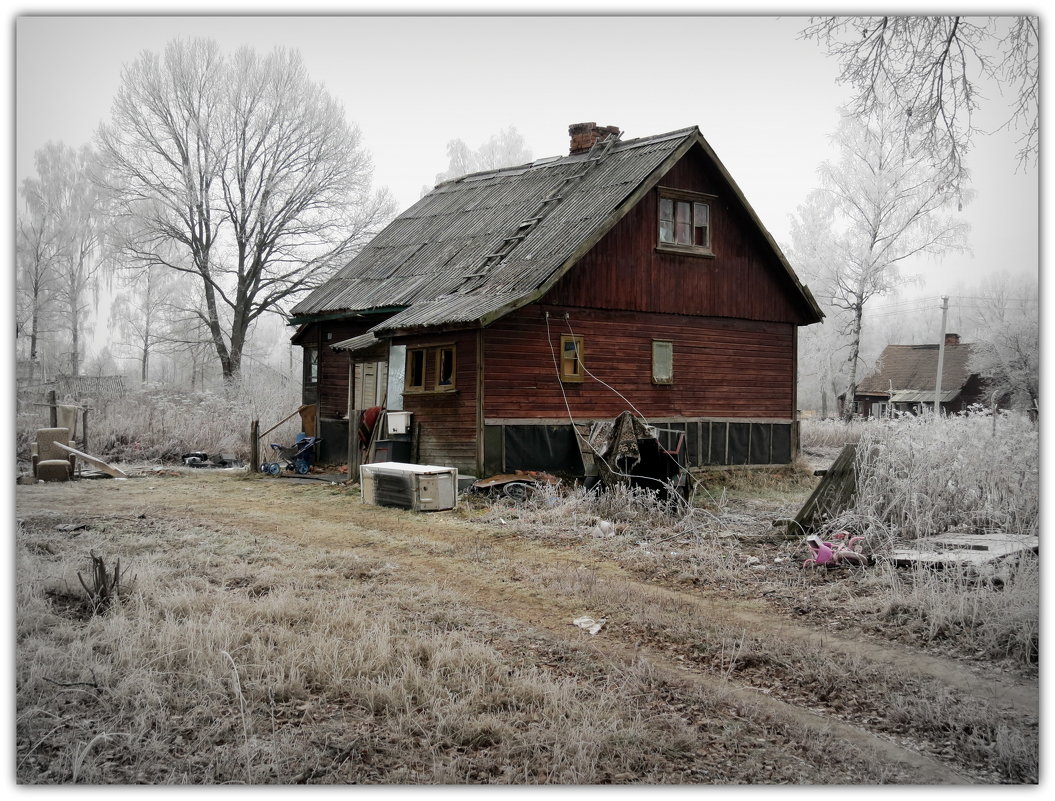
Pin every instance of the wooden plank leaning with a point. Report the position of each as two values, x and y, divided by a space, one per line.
94 462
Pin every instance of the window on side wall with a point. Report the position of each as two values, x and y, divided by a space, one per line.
662 361
684 222
311 365
431 369
571 356
445 367
415 376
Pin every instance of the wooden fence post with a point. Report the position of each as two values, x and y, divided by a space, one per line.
53 410
84 428
254 447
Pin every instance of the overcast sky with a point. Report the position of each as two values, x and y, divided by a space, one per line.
765 100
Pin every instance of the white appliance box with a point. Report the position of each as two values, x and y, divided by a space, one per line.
420 487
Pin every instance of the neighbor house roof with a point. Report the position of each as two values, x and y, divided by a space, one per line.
477 247
908 369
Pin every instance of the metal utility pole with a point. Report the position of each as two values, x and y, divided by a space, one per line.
941 355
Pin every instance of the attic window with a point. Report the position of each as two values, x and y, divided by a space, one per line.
684 222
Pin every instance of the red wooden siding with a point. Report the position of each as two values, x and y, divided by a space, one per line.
722 367
624 271
445 423
332 395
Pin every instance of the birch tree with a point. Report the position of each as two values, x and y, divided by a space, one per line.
249 168
879 205
505 148
36 255
68 211
928 72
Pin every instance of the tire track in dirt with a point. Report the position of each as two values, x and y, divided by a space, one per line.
322 519
400 528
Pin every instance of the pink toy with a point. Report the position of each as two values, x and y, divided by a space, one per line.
843 551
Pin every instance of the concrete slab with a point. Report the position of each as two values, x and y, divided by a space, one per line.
962 548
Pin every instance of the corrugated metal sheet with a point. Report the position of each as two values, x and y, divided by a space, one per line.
361 342
433 258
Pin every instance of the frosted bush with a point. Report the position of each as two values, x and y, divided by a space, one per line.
968 472
160 422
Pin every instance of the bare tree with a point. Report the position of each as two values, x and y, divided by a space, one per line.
247 166
503 149
927 71
878 206
1006 350
36 254
69 210
143 315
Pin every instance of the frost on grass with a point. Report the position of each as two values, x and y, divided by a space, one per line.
971 472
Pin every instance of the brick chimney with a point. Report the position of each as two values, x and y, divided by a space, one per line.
952 339
585 134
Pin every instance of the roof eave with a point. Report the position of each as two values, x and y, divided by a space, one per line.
343 314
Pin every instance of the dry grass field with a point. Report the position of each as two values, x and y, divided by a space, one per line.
272 631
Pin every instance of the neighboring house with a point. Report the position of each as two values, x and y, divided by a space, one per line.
627 275
905 378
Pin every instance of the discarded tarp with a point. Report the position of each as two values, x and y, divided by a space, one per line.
616 446
627 451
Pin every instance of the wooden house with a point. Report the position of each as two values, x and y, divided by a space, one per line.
905 378
503 305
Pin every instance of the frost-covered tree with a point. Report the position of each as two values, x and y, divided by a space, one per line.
880 204
927 71
36 254
249 168
68 210
503 149
1006 347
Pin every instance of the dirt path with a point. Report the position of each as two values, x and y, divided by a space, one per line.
513 577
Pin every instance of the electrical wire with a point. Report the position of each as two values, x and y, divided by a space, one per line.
698 484
571 419
585 369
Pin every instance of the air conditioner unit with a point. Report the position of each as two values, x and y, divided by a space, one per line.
420 487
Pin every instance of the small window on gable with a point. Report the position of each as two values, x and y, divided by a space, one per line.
571 355
662 362
685 222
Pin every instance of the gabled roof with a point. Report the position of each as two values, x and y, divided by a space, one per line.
485 244
914 368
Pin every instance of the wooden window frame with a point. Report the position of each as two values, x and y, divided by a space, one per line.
311 365
433 354
569 377
440 350
692 199
408 376
670 379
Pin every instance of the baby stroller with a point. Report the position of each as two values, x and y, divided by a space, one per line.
297 458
